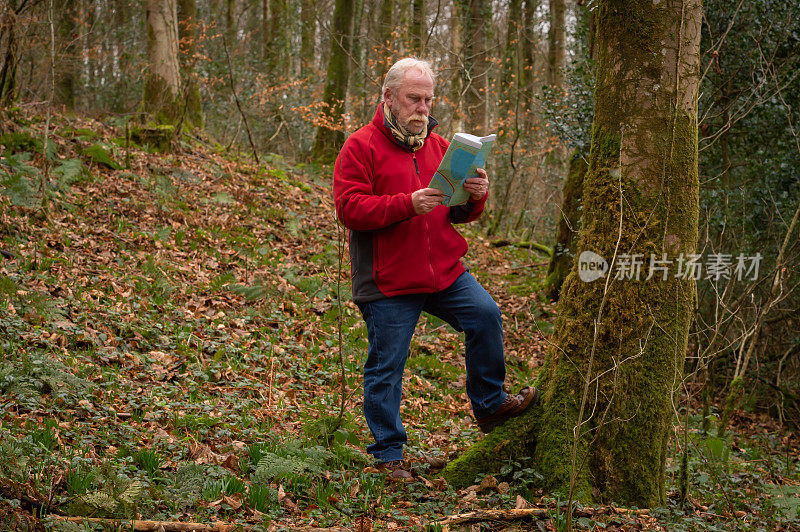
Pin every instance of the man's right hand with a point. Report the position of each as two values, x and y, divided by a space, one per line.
426 199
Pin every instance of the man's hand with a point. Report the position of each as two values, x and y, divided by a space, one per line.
426 199
477 186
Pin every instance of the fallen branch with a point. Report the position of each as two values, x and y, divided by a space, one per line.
528 513
496 515
177 526
529 245
153 526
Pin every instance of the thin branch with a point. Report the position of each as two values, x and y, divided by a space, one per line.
236 97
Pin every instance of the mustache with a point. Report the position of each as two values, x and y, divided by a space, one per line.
423 118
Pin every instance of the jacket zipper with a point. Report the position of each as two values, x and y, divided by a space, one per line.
427 231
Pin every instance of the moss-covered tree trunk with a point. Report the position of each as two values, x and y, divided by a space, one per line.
330 136
619 343
568 226
163 81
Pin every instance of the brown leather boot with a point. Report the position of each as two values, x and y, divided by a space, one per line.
513 406
394 470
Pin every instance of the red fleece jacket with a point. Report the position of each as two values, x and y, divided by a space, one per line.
394 251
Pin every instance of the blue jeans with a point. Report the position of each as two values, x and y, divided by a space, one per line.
390 325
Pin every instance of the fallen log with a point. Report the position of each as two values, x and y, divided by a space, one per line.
541 248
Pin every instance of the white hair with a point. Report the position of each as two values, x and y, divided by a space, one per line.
394 77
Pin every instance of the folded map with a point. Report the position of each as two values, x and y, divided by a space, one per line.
465 153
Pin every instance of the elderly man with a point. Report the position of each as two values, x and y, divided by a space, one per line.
406 259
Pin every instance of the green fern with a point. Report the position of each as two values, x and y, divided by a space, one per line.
115 499
101 500
274 467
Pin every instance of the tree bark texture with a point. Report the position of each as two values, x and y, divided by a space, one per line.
568 226
163 82
385 42
456 66
418 31
556 38
275 41
8 52
528 54
67 74
187 30
619 344
479 14
330 136
308 34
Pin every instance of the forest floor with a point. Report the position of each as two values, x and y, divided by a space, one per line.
170 332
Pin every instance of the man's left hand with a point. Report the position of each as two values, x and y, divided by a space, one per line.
477 186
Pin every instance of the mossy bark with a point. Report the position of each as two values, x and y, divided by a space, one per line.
735 395
162 84
568 226
619 343
330 134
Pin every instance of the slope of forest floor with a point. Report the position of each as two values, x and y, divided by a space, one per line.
170 328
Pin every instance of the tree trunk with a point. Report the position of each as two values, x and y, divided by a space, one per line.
457 67
555 43
478 19
511 113
330 134
163 82
606 411
528 55
8 49
275 42
385 39
192 106
67 68
230 24
308 34
568 226
418 31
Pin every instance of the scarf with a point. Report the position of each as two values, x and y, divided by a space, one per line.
401 135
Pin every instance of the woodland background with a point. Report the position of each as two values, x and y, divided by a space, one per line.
177 164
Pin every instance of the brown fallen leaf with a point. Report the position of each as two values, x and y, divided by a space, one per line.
522 503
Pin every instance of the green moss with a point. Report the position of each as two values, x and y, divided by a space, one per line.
735 396
514 438
622 343
568 225
155 137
